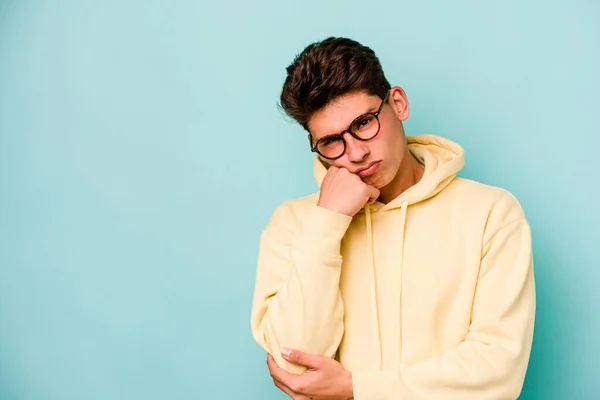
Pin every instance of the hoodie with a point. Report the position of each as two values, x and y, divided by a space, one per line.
430 296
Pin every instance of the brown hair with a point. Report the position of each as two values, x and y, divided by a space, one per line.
326 70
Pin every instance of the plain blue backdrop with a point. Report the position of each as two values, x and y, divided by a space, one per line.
142 152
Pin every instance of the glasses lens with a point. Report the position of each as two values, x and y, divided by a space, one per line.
365 127
331 147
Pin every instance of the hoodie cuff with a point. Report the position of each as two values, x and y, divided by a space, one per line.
323 231
378 385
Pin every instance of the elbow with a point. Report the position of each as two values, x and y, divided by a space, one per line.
508 372
258 331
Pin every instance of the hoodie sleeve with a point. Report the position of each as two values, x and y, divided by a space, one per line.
492 360
297 302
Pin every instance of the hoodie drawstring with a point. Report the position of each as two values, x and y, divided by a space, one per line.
371 252
403 210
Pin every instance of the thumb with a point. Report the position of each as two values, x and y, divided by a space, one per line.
300 358
373 195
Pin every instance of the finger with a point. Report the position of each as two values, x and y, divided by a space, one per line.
281 378
332 172
278 373
284 388
344 170
272 363
300 358
373 194
329 176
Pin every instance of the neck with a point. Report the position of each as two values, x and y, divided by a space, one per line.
409 174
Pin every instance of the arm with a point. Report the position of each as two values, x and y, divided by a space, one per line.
492 360
297 303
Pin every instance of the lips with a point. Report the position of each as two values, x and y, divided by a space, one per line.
369 169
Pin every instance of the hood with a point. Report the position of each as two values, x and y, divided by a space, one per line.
442 160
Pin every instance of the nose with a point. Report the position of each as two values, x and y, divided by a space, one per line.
357 150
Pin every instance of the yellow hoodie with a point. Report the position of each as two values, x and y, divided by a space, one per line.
430 296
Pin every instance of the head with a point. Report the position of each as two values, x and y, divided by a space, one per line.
337 91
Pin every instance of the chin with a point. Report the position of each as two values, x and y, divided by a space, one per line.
378 181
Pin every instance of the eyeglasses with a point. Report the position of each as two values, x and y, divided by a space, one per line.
364 127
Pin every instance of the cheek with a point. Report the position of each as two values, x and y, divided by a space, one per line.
389 145
339 163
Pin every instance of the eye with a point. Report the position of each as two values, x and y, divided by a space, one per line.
329 141
367 120
363 122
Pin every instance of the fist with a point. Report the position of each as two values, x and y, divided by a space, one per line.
344 192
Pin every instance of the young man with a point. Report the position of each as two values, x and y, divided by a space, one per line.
397 279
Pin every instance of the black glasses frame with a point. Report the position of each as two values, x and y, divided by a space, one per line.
341 134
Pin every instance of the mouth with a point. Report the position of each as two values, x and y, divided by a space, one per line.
368 170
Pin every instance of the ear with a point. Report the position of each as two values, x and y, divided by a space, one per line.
310 141
399 103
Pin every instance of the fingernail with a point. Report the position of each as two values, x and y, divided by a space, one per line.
286 353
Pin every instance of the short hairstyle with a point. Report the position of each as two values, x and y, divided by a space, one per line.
326 70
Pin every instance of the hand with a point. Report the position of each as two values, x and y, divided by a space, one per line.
344 192
324 378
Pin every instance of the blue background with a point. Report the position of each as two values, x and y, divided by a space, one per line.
142 152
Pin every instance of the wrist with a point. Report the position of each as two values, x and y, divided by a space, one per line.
348 391
333 209
327 207
321 234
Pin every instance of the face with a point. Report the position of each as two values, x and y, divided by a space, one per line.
377 161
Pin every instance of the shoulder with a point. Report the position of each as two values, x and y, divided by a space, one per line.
492 197
495 206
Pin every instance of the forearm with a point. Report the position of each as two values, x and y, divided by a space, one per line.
302 308
307 319
473 371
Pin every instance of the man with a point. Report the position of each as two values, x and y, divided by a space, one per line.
397 279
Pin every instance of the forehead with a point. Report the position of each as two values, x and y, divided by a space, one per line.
339 113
